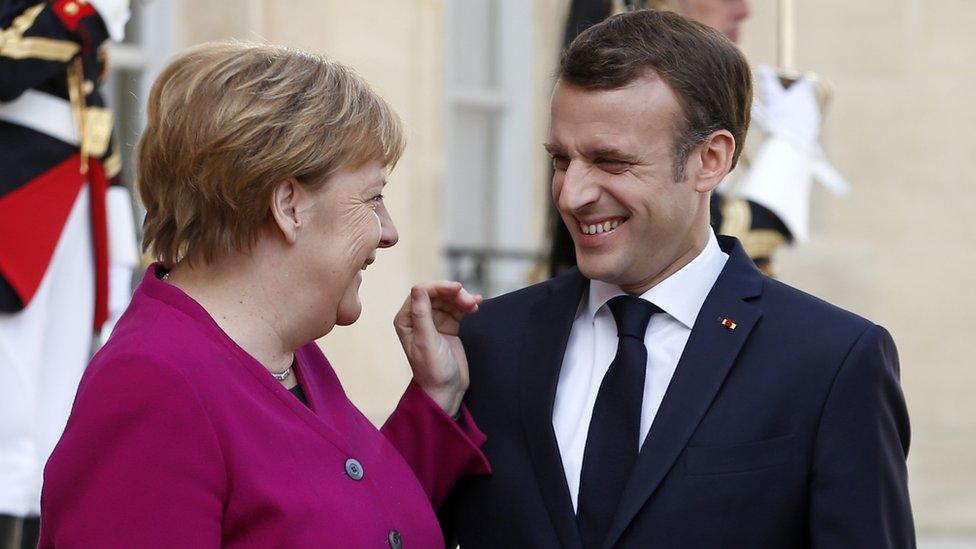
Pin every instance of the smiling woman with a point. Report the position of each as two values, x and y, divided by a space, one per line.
262 170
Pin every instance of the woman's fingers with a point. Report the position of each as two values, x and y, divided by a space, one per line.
422 319
432 308
448 295
448 322
402 321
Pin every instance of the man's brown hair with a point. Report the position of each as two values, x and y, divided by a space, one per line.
227 122
705 70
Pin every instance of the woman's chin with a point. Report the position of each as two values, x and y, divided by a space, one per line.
346 318
350 306
350 309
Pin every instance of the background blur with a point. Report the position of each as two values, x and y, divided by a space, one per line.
471 80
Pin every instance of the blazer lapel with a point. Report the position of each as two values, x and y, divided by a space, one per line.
709 354
550 322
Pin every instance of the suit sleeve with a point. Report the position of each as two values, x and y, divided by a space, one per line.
438 449
138 465
859 485
40 40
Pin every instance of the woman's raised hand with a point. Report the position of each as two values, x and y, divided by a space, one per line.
427 325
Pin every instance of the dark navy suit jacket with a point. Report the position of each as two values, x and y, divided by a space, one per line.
788 431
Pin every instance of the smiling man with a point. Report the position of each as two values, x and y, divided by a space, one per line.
765 201
666 393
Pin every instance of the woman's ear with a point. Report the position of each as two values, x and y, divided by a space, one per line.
285 207
716 160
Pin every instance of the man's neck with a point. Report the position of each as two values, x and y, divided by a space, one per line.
691 251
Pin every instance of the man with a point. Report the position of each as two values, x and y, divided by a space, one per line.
765 202
67 240
666 393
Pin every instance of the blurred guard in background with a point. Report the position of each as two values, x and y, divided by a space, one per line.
67 237
765 201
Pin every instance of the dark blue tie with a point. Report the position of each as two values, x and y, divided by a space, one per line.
612 441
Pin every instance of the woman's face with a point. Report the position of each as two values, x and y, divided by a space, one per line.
345 222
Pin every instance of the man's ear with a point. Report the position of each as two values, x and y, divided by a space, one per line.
715 156
285 200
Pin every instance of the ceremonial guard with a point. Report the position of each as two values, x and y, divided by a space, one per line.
67 237
765 201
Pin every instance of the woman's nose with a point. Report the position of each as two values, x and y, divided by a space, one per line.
388 233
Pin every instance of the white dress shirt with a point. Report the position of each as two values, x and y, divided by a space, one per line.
593 344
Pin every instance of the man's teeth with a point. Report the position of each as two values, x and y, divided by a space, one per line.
597 228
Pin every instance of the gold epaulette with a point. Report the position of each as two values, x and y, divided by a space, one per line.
94 123
113 164
759 244
14 45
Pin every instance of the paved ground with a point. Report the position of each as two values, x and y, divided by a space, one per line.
946 543
942 483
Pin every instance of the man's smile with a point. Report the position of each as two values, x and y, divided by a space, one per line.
600 225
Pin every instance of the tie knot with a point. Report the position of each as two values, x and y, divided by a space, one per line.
632 315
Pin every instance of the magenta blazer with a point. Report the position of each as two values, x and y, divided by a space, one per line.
178 438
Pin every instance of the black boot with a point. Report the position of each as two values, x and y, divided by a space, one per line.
30 532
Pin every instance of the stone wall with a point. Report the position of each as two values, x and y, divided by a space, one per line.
899 250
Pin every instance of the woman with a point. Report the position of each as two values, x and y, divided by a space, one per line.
211 418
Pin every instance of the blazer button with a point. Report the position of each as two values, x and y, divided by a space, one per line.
354 469
396 542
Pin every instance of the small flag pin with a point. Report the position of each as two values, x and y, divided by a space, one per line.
728 323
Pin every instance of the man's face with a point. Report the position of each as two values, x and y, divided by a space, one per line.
613 182
725 16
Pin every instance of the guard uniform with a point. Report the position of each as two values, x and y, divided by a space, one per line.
67 237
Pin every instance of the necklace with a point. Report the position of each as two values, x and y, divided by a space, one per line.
283 375
280 376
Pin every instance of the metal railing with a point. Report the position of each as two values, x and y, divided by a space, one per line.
492 271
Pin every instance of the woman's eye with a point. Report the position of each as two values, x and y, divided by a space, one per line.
559 163
377 198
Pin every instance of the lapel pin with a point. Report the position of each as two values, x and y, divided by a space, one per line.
728 323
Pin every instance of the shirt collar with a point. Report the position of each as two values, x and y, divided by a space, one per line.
681 295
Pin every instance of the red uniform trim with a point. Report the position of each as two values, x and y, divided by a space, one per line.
71 12
99 220
31 220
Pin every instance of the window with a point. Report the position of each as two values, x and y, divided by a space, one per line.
489 185
134 65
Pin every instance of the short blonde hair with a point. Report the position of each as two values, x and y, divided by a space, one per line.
229 121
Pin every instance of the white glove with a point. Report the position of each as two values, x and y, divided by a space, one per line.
792 114
115 14
780 178
781 175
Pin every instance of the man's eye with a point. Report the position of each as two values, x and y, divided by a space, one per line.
559 163
377 198
613 166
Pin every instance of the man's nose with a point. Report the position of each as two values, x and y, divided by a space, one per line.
578 188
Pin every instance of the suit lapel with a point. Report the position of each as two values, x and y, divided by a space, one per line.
709 354
549 325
